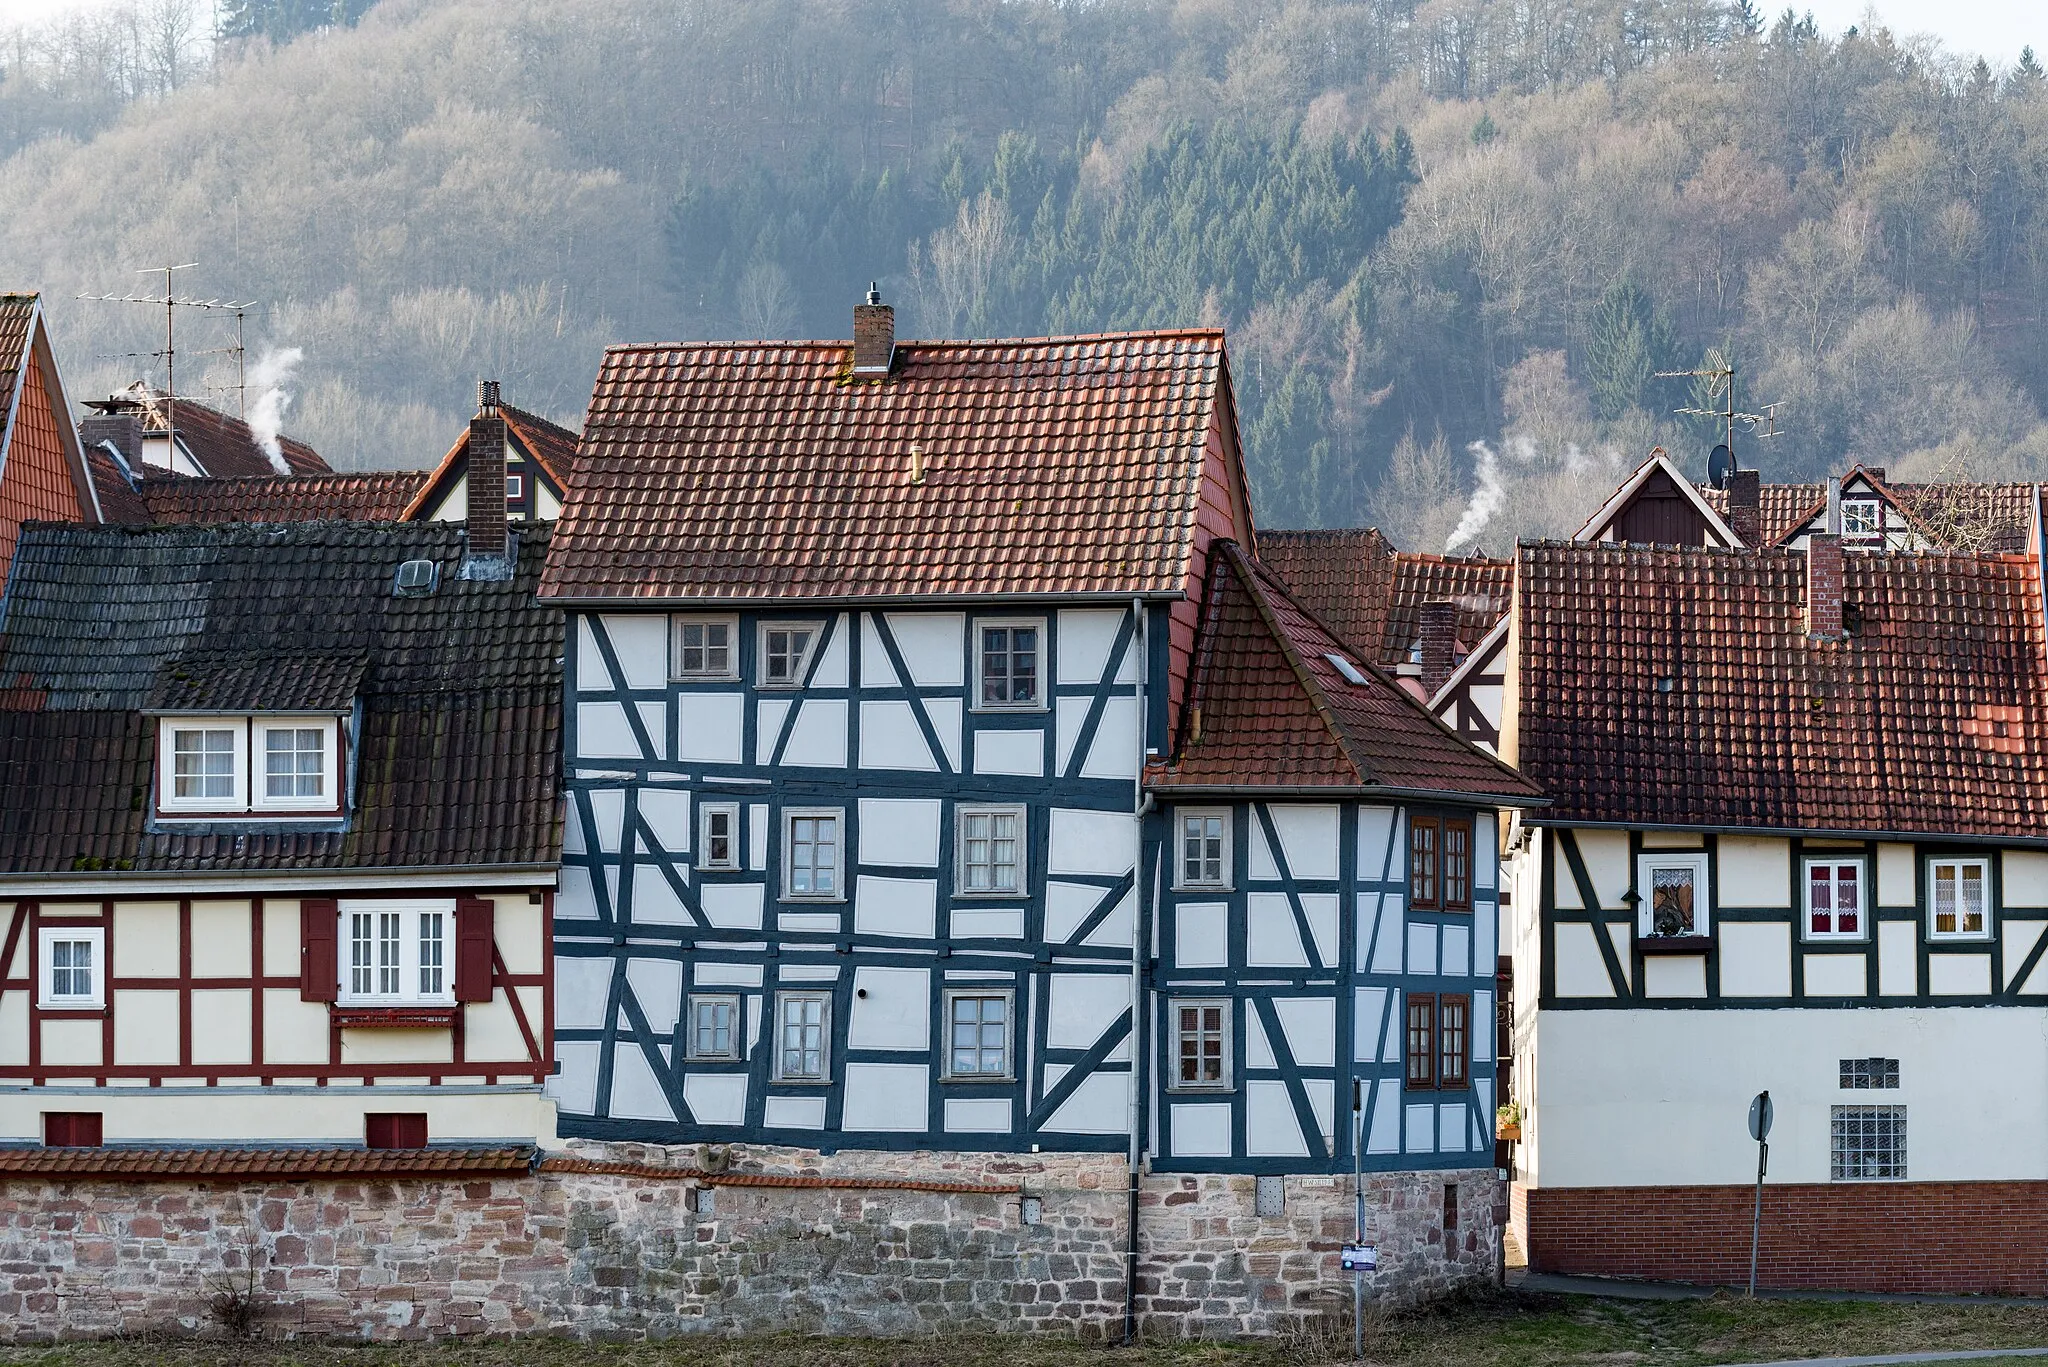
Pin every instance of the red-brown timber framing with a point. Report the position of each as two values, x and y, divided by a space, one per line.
28 920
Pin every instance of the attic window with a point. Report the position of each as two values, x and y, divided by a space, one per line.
1343 666
1862 519
262 765
416 579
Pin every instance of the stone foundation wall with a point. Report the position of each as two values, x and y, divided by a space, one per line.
607 1253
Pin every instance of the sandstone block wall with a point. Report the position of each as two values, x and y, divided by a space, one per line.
588 1253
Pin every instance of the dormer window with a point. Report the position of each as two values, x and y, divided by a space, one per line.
1862 519
268 766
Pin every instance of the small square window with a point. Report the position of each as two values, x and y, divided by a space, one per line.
705 648
786 652
1201 1044
803 1037
1958 899
1671 891
992 851
397 953
202 763
811 863
1204 853
73 968
714 1027
718 836
1867 1144
978 1035
295 764
1010 661
1835 899
1862 519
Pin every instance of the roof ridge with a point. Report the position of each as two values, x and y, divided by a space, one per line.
843 343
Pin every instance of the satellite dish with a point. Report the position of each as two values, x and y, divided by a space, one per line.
1720 466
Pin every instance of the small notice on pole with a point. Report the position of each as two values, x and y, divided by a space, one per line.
1361 1257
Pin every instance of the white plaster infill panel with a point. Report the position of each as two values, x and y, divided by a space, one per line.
1837 975
1311 1026
2020 937
1009 751
1959 975
1272 940
1200 1130
1201 937
905 907
1271 1129
1897 877
1756 958
1898 956
1113 754
794 1112
1308 837
2024 878
933 646
709 727
1083 1006
900 831
1755 871
977 1115
636 1092
602 732
640 640
1675 975
1085 638
891 1009
667 814
887 1097
819 737
891 739
716 1098
1607 864
1100 1105
1091 842
1581 971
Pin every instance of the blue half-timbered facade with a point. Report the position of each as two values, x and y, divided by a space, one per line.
889 803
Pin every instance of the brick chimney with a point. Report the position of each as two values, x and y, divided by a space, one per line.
1439 644
1824 587
1745 494
486 473
122 427
874 336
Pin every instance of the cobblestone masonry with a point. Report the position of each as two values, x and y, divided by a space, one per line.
605 1253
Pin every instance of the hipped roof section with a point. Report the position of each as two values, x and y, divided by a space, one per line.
1372 595
1269 708
742 472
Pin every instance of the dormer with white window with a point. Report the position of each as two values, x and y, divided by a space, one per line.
253 738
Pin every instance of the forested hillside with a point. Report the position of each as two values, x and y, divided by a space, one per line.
1452 239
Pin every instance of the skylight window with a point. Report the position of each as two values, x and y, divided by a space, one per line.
1343 666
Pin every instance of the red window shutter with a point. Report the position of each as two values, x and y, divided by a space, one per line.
473 948
395 1130
319 949
72 1129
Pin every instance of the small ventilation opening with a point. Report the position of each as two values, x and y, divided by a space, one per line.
416 579
1450 1206
395 1130
72 1129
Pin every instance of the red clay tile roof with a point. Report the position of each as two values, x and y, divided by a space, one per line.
1930 720
764 470
17 315
1990 517
1372 595
1276 712
235 1164
225 447
378 496
119 502
553 445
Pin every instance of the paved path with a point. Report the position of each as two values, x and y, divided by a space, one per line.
1886 1359
1616 1289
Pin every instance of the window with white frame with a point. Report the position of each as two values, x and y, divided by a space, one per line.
1867 1144
265 765
991 841
1204 849
1201 1044
515 488
1958 899
72 972
1862 519
718 835
1009 663
786 652
803 1037
706 648
1672 895
977 1044
811 846
397 953
1835 897
714 1027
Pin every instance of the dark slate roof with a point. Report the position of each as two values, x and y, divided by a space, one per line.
460 692
375 496
1275 711
735 471
1372 595
257 681
1931 719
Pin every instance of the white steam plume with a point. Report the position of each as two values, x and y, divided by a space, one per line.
269 376
1486 499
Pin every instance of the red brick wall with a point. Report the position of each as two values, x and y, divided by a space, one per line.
1875 1236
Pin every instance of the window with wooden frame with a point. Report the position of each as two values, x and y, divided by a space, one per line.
1457 863
1201 1044
1439 1037
704 648
1009 665
803 1037
977 1044
1425 863
812 843
713 1026
72 968
395 1130
991 848
1958 899
786 652
270 766
397 953
1203 860
718 836
1672 895
1835 898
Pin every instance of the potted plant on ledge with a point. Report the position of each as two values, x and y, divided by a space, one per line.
1507 1122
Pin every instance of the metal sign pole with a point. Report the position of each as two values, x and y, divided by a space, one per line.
1759 1130
1358 1219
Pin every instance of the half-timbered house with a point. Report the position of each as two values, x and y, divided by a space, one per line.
928 725
1795 846
278 829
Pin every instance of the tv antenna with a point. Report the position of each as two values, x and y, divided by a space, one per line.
1718 373
170 303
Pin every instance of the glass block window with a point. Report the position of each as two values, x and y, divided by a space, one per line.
1864 1074
1868 1144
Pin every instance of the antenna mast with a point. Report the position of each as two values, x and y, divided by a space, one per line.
1719 373
170 303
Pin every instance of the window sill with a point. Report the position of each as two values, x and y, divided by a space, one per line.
1675 944
393 1017
1200 888
1213 1089
978 1079
71 1008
